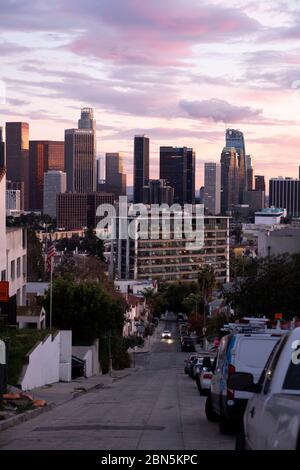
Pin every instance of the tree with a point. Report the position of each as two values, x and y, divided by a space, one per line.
81 268
35 261
207 282
86 308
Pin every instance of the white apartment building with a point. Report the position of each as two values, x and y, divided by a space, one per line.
13 251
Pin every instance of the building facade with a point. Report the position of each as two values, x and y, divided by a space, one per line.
78 210
157 192
235 138
17 156
260 184
44 155
285 193
170 259
177 167
212 188
2 149
115 176
55 182
140 166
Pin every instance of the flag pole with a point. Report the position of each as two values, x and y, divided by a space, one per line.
51 279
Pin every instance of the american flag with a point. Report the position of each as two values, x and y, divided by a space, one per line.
51 252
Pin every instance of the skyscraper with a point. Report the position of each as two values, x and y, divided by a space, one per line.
249 172
55 182
212 188
235 138
44 155
177 167
284 193
229 179
2 149
17 156
260 184
80 154
115 178
141 166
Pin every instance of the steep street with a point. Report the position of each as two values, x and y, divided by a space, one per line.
156 407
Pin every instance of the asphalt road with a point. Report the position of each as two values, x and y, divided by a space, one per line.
156 408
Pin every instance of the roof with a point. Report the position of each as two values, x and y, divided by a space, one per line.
286 232
30 311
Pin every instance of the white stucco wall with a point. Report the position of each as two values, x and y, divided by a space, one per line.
15 250
44 361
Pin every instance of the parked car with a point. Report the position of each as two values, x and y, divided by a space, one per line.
188 362
187 344
272 416
247 352
203 378
197 367
166 334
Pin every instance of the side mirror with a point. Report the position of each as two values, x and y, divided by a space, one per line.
243 382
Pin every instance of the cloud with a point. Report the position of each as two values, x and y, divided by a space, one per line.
218 110
8 49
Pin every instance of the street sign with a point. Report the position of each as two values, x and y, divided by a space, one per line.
4 291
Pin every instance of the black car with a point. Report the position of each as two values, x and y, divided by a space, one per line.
187 344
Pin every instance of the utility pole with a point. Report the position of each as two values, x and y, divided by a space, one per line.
109 353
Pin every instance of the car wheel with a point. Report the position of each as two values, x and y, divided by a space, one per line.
198 385
211 415
240 443
186 370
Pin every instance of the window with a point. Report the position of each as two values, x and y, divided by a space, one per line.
3 275
18 267
273 360
24 266
13 270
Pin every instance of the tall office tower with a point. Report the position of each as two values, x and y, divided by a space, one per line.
80 155
235 138
212 188
2 149
100 174
157 192
260 184
87 120
115 177
249 172
44 155
229 179
55 182
17 156
201 195
284 193
177 167
140 166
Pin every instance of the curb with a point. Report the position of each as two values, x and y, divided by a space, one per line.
23 417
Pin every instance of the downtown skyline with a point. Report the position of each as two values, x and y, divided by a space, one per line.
178 72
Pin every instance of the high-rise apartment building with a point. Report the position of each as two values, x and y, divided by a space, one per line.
284 193
140 166
157 192
177 167
2 149
212 188
17 156
44 155
170 259
115 176
55 182
80 154
229 179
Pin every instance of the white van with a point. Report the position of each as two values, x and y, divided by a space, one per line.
240 352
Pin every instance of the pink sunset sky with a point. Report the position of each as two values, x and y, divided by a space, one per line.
179 71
